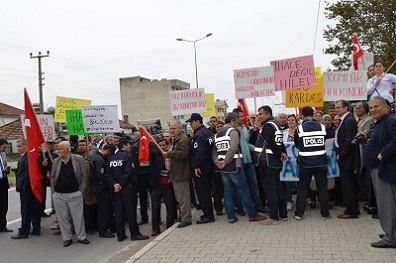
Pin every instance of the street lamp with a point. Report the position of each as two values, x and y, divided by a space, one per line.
195 53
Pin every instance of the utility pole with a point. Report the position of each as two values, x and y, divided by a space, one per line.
40 77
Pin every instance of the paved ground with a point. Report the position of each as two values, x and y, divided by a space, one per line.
309 240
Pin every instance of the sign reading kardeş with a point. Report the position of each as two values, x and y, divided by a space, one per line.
187 101
46 123
254 82
100 119
309 96
346 85
74 122
65 103
294 73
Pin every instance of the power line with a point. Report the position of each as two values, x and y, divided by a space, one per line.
316 29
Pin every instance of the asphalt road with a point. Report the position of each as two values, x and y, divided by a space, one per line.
49 248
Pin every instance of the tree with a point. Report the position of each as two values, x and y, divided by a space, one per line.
374 22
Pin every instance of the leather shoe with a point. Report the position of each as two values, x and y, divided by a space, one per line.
45 215
107 235
142 222
205 220
184 224
381 235
18 236
375 216
232 221
382 244
257 218
346 216
83 241
155 233
122 238
35 233
67 243
140 237
6 230
219 213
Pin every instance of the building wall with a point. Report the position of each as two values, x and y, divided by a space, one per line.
143 98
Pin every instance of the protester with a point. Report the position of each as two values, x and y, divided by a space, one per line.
4 186
381 83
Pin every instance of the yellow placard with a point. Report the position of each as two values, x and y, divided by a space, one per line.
65 103
318 72
310 96
210 106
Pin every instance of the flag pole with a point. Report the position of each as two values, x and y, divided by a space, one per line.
390 66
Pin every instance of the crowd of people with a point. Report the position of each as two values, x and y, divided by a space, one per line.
97 182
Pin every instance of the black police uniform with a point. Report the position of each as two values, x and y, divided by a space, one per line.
309 138
201 156
98 167
120 171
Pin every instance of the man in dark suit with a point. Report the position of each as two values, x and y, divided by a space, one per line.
4 186
30 208
348 158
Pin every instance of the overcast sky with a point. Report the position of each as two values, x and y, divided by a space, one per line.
94 43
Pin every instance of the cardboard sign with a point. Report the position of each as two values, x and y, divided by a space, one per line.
254 82
346 85
65 103
186 101
153 126
210 106
318 72
309 96
74 122
47 126
100 119
294 73
290 168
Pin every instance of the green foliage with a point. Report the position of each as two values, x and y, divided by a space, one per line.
373 21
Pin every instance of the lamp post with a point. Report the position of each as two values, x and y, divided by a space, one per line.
195 53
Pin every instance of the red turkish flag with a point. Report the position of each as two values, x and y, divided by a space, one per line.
357 52
144 152
242 106
34 139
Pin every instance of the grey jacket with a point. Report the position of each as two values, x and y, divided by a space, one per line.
80 171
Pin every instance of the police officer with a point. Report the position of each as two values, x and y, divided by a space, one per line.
98 167
228 159
201 150
121 177
272 156
309 138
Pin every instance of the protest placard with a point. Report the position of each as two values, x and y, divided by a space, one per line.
74 122
65 103
290 167
210 106
47 126
318 73
100 119
254 82
153 126
294 73
309 96
346 85
187 101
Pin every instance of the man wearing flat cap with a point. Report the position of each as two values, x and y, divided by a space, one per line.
201 156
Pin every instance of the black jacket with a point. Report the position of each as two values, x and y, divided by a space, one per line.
387 168
120 169
98 168
22 174
201 148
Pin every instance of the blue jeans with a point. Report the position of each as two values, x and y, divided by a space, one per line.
237 181
251 179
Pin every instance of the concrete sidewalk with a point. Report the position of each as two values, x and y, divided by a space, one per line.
311 239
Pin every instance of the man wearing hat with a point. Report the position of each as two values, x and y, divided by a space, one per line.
201 155
120 176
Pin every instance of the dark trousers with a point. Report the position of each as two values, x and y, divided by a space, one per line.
349 189
126 203
275 194
3 202
143 187
202 187
263 196
320 174
106 219
30 211
164 192
218 192
44 196
90 217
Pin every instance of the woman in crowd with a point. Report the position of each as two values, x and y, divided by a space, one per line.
330 127
381 84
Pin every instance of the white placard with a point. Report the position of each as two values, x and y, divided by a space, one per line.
47 126
100 119
346 85
187 101
254 82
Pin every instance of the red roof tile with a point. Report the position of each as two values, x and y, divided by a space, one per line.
12 130
8 110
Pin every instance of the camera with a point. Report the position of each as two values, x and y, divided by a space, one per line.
358 139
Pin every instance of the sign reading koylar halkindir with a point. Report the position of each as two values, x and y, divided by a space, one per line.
187 101
346 85
100 119
254 82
